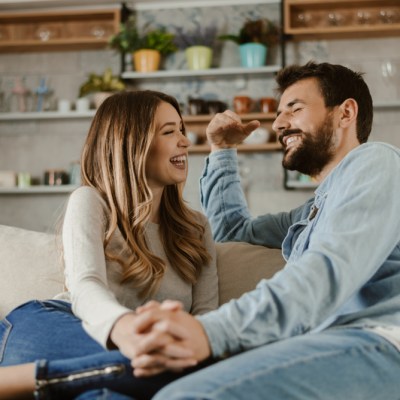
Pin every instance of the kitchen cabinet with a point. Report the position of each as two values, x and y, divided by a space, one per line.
73 29
322 19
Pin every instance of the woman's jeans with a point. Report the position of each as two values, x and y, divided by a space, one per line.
337 364
69 363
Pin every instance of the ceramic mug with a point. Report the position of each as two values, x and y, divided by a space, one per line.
267 104
215 106
242 104
196 106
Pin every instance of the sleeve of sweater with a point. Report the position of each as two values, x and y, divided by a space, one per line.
85 266
205 291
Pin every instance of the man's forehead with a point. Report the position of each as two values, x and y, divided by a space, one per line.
302 91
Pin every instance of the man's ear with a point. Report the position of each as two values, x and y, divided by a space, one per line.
348 113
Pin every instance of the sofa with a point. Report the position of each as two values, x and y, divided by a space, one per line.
31 268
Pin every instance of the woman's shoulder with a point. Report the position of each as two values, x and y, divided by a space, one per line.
86 198
199 217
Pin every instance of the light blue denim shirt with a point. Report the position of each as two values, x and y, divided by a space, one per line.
342 250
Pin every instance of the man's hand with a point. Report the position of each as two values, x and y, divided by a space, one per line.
226 130
176 340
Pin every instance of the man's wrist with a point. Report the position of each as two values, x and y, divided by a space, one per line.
217 147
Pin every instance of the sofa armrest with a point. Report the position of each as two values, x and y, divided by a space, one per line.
242 265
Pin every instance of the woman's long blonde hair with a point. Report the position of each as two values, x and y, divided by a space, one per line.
114 163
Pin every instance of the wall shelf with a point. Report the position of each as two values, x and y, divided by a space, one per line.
73 29
317 19
32 116
39 189
211 73
43 115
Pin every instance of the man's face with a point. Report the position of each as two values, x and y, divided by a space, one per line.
305 128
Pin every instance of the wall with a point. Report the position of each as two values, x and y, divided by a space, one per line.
35 146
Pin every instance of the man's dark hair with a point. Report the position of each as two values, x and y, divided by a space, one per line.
337 83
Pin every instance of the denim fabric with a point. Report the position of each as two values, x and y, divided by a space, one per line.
102 394
69 363
336 364
43 330
342 250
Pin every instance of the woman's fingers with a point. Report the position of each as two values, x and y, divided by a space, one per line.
151 364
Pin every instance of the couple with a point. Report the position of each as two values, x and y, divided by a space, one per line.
327 326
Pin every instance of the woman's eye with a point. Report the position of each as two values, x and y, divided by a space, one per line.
168 132
296 109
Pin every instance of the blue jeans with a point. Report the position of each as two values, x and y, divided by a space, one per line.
69 363
335 364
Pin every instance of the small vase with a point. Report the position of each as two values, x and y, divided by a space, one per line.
99 97
253 55
198 57
146 60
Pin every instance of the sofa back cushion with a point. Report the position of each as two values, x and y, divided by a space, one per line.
30 267
241 266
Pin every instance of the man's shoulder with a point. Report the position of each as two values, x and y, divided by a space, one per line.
378 149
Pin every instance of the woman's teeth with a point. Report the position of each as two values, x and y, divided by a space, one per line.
179 161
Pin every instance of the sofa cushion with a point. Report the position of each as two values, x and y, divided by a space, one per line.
30 267
241 266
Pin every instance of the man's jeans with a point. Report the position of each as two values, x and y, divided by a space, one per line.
336 364
69 363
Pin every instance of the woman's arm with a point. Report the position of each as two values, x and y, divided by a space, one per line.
85 264
205 291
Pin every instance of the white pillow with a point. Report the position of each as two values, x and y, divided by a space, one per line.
30 267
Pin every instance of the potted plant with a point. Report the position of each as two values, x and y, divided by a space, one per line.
101 85
146 47
253 39
198 45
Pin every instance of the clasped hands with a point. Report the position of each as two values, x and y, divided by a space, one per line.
160 337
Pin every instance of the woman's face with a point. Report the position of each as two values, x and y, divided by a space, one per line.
168 157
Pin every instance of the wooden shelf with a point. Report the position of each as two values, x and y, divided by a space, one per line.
243 148
211 73
57 30
335 19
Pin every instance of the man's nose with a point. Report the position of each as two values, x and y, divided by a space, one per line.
281 123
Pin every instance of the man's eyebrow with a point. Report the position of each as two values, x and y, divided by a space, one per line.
291 104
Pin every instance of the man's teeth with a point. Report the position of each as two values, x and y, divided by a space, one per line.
178 160
291 139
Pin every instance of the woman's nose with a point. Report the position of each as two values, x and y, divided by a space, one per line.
184 141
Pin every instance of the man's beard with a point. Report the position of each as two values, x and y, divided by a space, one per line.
313 153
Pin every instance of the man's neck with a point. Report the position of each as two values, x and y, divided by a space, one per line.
339 156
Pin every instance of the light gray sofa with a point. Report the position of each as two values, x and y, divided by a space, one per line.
31 268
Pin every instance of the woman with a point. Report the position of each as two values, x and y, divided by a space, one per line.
128 237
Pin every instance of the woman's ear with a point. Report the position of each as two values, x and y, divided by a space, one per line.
348 113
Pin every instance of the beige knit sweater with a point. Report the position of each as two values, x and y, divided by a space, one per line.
94 284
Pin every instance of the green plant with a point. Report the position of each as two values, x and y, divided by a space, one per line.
101 83
128 39
261 31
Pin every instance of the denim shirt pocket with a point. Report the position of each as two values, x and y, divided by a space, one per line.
298 238
5 329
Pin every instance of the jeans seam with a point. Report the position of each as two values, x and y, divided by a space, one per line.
44 385
269 371
4 338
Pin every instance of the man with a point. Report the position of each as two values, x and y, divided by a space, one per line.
328 325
